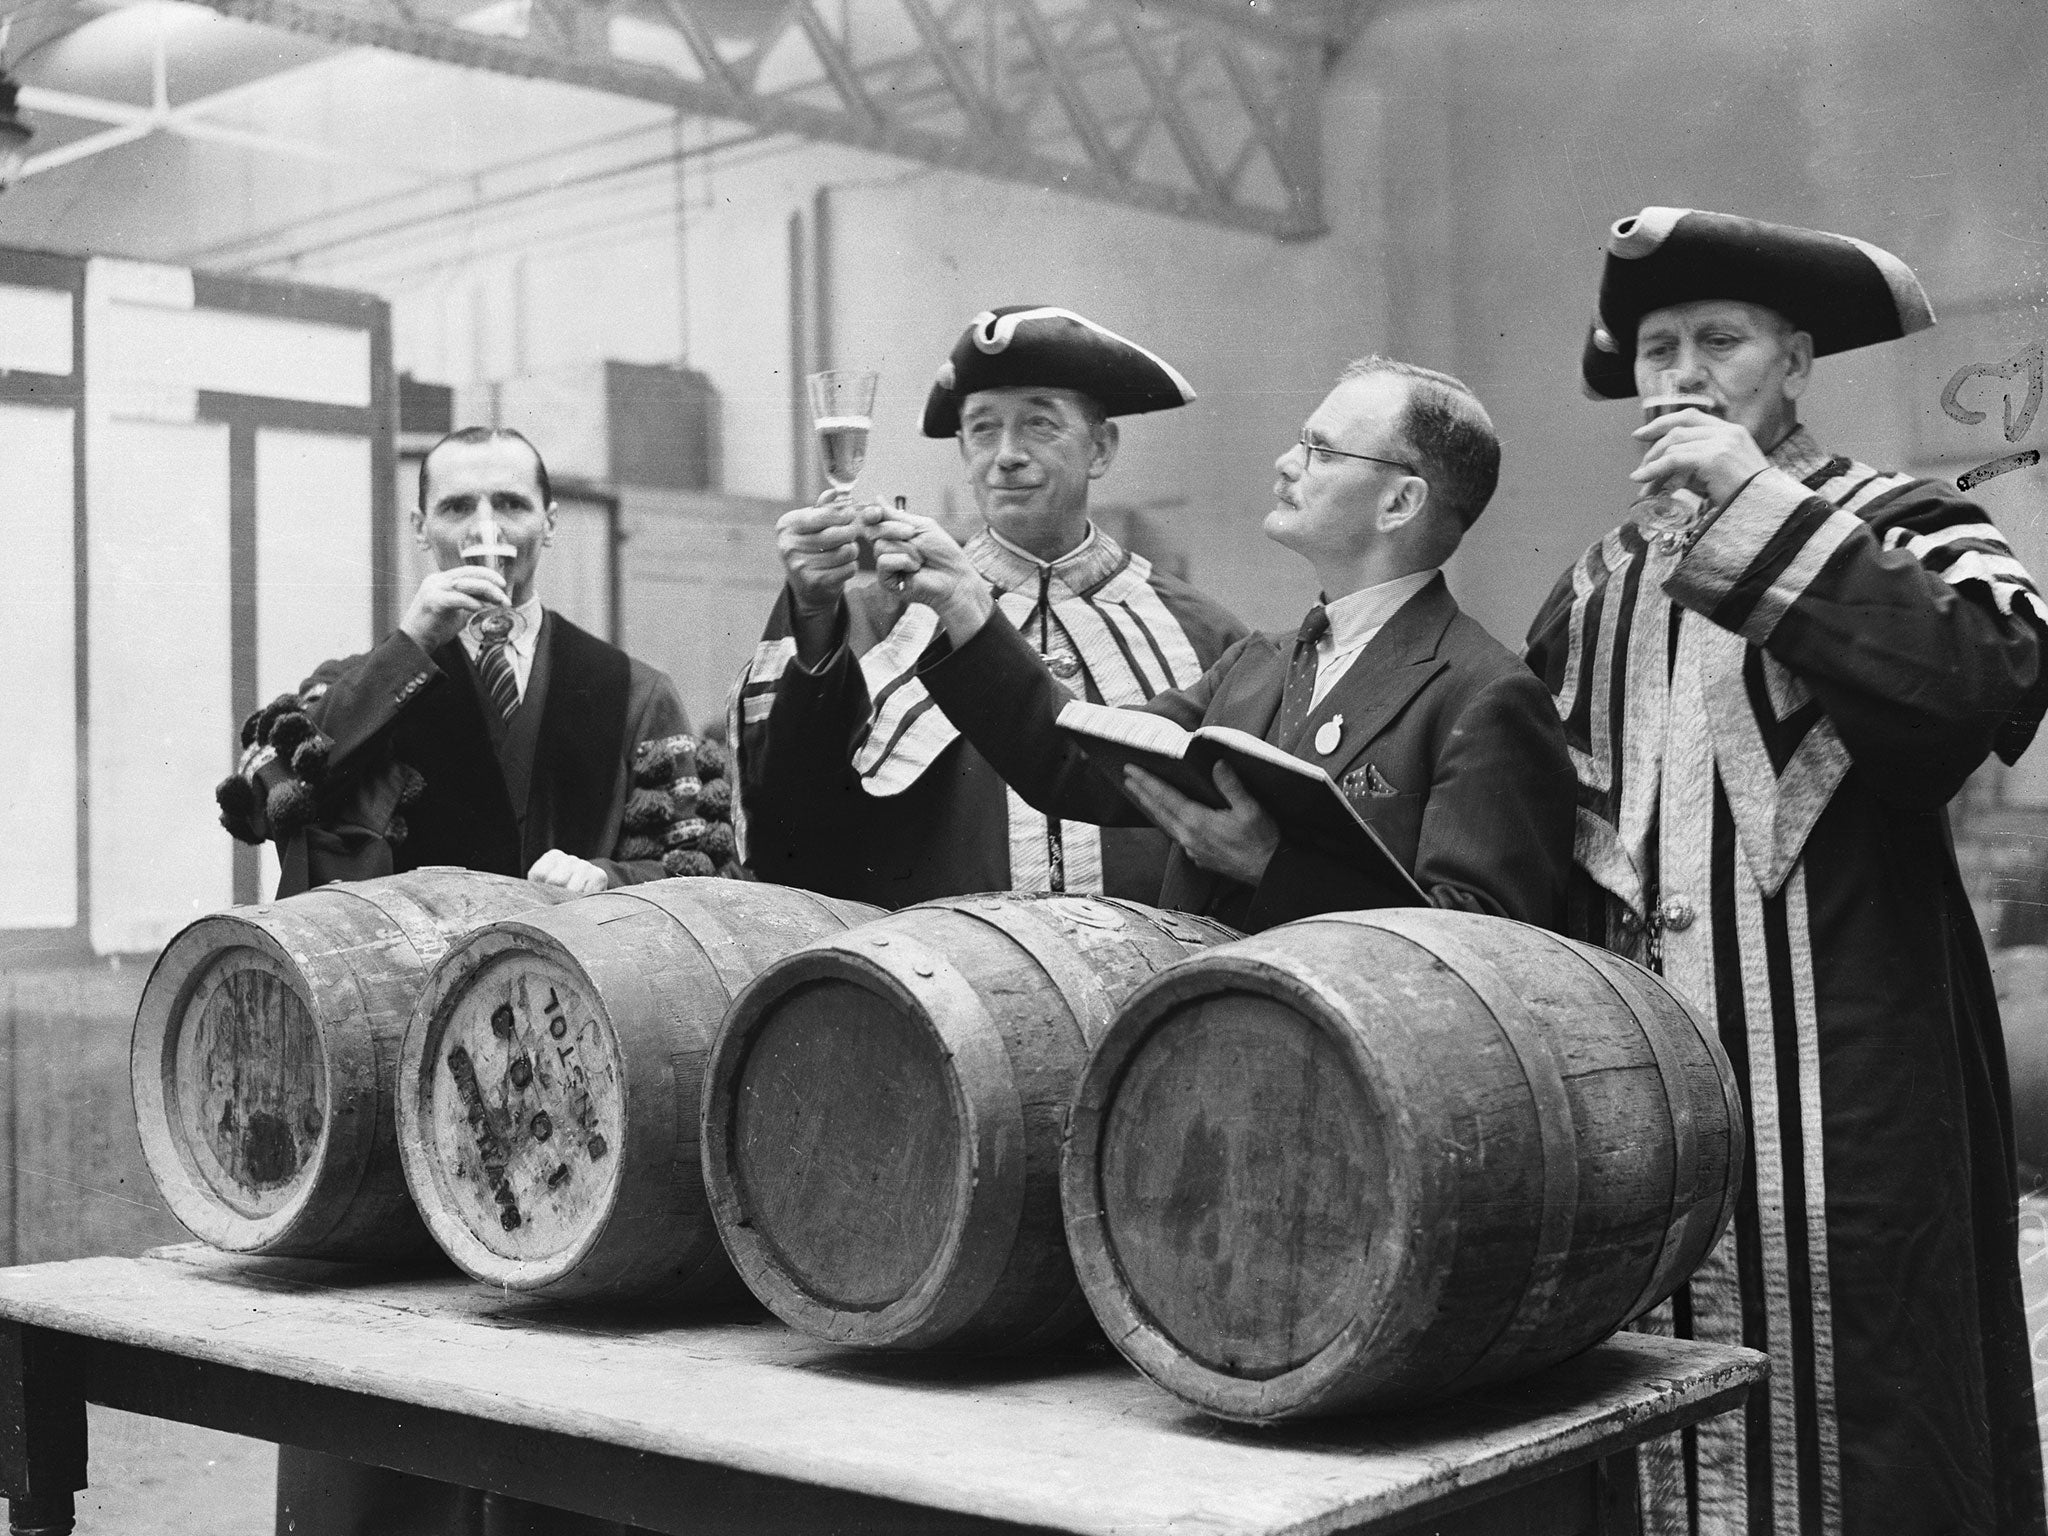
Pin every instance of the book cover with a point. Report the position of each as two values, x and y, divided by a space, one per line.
1304 800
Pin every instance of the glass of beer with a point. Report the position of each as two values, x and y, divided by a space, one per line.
842 409
498 623
1666 513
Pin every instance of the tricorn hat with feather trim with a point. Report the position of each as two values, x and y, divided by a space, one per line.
1844 292
1035 344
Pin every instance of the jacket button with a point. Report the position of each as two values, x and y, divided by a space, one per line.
1677 913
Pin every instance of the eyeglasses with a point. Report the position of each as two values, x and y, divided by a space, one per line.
1320 453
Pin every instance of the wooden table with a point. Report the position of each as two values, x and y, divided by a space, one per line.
740 1425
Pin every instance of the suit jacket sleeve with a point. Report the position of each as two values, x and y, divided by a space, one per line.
795 756
1910 621
999 693
355 700
1496 827
653 710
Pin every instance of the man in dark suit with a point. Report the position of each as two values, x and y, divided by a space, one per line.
503 746
501 742
1442 740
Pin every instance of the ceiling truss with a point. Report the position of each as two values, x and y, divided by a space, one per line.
1201 109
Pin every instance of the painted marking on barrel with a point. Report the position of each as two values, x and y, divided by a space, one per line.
490 1143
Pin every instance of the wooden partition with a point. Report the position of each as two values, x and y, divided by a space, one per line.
195 500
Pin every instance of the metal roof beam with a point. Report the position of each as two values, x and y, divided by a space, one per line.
844 104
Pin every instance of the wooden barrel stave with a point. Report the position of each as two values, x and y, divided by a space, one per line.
347 961
981 1010
563 1159
1504 1262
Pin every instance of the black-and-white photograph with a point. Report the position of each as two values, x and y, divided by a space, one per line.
1023 767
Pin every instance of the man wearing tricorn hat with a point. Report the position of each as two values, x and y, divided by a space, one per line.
855 783
1437 736
1773 678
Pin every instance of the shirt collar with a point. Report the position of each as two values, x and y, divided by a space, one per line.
1356 616
1081 569
1799 455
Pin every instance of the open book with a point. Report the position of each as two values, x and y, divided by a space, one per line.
1304 800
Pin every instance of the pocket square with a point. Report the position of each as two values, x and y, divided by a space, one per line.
1369 780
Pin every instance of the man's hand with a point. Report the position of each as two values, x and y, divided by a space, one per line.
819 550
915 556
1239 842
445 601
579 877
1717 458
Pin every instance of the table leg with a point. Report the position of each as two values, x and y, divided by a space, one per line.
42 1431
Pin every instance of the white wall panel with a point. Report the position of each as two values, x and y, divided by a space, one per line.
244 354
38 686
161 729
313 565
35 329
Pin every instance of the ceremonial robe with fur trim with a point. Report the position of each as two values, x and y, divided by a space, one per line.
497 794
1446 745
854 783
1767 728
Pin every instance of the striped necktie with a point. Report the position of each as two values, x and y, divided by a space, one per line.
495 667
1300 688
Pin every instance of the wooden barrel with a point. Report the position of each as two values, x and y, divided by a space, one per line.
265 1056
549 1084
883 1112
1371 1158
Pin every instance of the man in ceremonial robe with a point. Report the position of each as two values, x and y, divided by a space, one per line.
506 749
1439 738
855 782
1774 678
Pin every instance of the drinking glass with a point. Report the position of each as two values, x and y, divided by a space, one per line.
497 624
842 409
1666 513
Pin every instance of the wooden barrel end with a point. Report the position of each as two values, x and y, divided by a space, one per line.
1221 1096
843 1161
511 1107
231 1084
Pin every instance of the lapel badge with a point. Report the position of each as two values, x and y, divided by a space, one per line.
1329 735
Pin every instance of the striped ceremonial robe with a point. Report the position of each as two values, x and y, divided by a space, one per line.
855 783
1767 726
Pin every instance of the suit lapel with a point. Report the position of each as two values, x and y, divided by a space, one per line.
464 720
521 738
577 757
1391 670
1250 699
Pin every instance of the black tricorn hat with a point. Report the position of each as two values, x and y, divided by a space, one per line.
1845 293
1036 344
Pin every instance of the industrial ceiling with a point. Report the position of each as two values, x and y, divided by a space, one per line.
1201 109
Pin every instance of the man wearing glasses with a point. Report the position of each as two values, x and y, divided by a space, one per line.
1445 743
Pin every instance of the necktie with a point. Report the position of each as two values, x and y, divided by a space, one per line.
1301 679
495 668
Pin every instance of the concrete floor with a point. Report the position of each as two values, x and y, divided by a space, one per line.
156 1479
